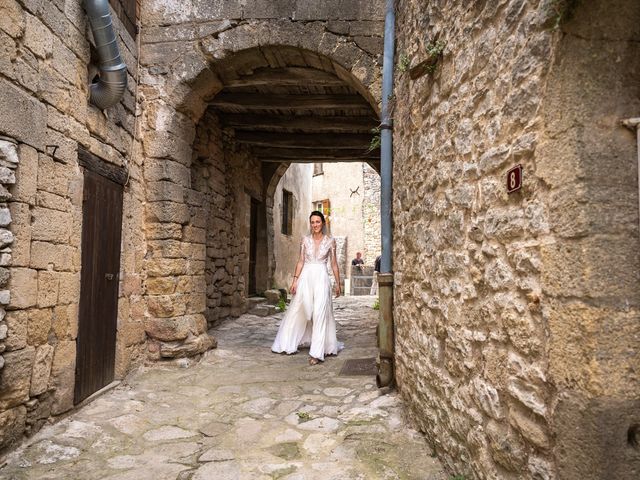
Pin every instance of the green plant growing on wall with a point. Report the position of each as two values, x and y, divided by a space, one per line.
403 62
376 304
375 140
433 51
562 10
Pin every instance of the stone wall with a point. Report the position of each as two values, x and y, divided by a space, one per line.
371 214
342 185
296 180
45 117
506 305
232 178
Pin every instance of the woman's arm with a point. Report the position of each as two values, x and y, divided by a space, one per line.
334 266
298 270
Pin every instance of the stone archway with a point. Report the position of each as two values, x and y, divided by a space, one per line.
200 169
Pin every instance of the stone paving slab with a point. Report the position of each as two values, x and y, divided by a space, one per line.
241 412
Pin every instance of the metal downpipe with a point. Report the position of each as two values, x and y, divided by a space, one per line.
385 375
110 87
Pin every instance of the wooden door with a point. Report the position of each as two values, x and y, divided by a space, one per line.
98 309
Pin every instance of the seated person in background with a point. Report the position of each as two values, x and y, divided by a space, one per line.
358 261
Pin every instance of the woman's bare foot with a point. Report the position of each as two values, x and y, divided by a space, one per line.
313 361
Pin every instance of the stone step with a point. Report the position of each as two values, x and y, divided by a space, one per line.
255 301
263 310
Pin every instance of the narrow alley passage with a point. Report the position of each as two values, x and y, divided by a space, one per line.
242 412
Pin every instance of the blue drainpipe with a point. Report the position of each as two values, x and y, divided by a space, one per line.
385 376
386 138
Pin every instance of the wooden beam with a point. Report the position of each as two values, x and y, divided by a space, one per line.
288 76
313 160
315 154
306 140
259 101
299 122
92 162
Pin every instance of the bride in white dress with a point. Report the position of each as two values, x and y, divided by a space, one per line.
309 318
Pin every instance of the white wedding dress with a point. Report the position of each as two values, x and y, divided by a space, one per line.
309 317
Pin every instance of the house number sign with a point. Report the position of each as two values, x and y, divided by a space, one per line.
514 179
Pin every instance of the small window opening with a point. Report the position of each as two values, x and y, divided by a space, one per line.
317 169
287 213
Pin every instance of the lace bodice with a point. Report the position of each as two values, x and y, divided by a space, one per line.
321 253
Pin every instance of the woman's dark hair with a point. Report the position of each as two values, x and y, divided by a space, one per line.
317 213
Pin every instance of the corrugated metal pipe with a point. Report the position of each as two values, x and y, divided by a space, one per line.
109 88
386 329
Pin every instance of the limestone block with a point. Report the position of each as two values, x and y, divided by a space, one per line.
185 284
12 422
6 237
37 37
159 231
164 267
63 376
69 290
3 331
51 225
487 398
530 426
131 285
17 329
52 201
334 9
26 184
168 212
45 255
164 190
65 321
29 127
196 303
15 377
599 267
4 277
507 448
166 145
21 228
498 275
504 223
160 285
166 305
171 329
272 296
193 345
47 288
131 333
41 370
38 326
54 177
157 11
12 20
167 170
7 175
194 234
24 287
260 9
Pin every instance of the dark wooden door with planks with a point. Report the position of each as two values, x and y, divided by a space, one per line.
98 309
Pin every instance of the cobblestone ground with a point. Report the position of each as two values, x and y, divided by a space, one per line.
242 412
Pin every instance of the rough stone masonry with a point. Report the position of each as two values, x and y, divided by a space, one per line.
517 315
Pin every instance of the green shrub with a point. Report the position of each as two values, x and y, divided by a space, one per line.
376 304
282 304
